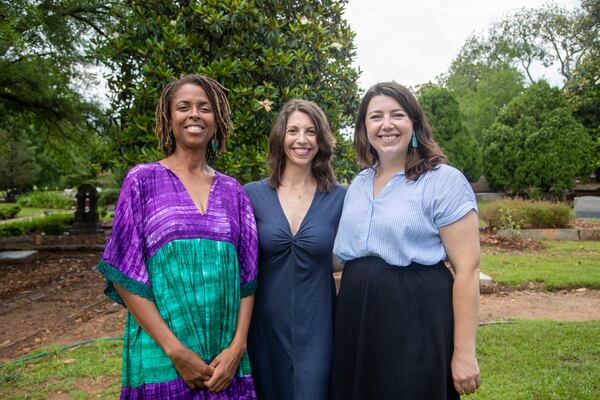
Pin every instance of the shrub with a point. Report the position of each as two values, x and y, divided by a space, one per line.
108 197
56 200
536 145
54 224
8 211
521 214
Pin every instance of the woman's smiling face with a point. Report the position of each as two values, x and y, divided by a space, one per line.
300 141
389 128
192 117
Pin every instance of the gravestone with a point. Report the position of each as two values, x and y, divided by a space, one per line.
86 216
587 207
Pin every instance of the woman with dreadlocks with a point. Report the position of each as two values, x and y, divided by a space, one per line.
182 257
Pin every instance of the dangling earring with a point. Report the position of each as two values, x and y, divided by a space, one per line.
414 144
214 145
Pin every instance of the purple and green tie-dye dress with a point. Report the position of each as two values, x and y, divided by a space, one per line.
195 267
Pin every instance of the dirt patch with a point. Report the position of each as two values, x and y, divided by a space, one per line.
574 305
488 238
57 298
52 299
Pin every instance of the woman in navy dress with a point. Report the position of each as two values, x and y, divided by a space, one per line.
297 210
405 326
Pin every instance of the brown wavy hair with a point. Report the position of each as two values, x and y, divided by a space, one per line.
321 163
428 154
218 102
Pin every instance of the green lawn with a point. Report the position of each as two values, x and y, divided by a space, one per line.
525 360
87 372
539 360
562 265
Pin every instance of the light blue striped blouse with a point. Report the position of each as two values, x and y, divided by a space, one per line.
401 225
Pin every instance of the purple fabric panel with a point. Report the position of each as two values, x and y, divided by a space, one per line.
154 209
241 388
172 215
125 247
239 205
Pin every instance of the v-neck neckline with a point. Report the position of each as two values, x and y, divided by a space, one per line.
187 193
285 218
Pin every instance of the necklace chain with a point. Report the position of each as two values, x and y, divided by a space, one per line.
299 196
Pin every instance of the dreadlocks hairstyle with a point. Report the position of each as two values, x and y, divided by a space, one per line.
321 163
425 157
219 104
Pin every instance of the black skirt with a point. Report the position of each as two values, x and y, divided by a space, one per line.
393 332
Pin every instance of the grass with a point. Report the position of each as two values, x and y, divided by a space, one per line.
539 360
524 360
86 372
562 265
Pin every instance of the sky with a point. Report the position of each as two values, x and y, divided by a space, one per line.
412 42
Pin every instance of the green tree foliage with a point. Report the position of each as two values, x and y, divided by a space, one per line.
547 36
264 51
17 162
44 47
583 92
583 89
449 130
482 91
536 145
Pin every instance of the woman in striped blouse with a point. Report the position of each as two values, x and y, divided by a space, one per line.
405 325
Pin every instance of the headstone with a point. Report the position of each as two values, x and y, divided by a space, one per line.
86 216
587 207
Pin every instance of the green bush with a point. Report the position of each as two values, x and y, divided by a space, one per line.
54 224
522 214
8 211
536 145
108 197
49 199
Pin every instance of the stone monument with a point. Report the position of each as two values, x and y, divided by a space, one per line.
587 207
86 216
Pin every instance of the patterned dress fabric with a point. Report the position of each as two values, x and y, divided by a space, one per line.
290 342
195 267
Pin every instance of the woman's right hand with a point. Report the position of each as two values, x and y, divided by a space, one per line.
191 367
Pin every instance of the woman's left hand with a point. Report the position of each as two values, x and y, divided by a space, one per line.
225 366
465 373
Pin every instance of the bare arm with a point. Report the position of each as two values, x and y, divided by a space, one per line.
461 241
338 265
226 363
189 364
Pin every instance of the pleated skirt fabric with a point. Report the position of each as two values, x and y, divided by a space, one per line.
393 332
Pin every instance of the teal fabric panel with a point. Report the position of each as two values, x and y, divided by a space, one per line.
196 287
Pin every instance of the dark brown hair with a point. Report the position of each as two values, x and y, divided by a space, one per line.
321 163
428 154
218 102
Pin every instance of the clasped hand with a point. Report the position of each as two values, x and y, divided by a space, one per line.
216 376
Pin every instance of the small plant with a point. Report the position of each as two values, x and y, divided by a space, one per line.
46 199
8 211
108 197
507 222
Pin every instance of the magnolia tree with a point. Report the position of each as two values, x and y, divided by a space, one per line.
265 52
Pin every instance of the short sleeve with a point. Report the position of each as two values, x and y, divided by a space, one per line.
123 259
247 245
452 197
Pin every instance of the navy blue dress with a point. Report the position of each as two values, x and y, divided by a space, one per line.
290 342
